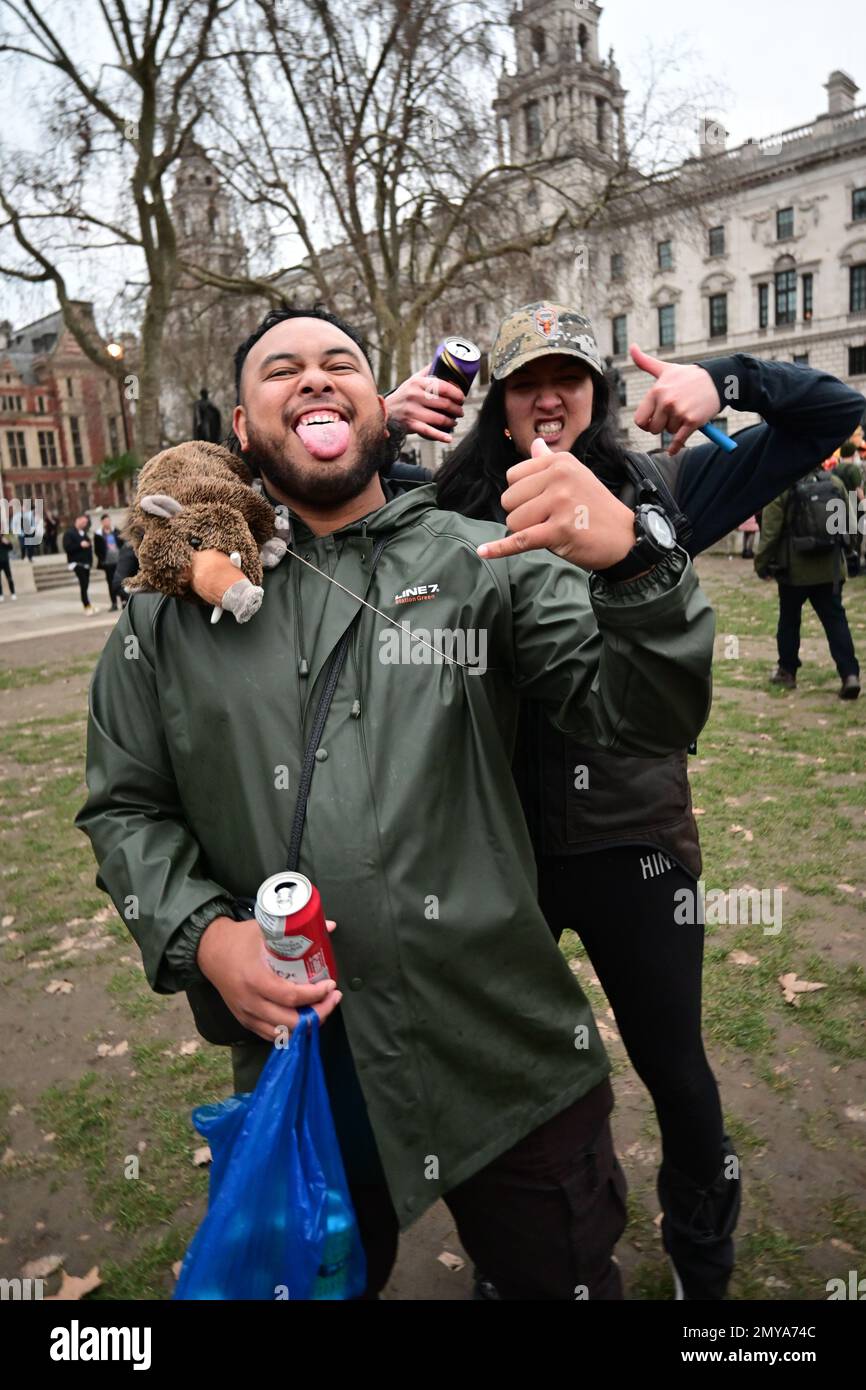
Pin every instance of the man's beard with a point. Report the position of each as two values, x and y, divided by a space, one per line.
317 483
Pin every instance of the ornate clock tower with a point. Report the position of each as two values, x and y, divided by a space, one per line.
563 99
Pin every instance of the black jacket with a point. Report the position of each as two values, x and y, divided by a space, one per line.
577 798
76 553
127 563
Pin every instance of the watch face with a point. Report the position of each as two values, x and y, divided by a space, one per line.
660 529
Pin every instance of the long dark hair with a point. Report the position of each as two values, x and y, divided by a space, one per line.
473 479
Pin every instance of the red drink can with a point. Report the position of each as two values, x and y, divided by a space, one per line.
289 912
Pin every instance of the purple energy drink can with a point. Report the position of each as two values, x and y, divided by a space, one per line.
457 360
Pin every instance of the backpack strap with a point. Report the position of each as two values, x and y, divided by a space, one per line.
651 486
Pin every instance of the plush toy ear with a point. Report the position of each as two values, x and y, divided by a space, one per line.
160 504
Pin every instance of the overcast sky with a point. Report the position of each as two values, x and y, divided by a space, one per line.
773 56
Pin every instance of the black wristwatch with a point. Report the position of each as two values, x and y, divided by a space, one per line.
655 538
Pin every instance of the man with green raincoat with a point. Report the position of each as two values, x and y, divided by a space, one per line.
461 1056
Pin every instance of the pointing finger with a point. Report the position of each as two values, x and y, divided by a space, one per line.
535 538
642 359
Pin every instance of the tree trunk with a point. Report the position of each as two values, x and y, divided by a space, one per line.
148 432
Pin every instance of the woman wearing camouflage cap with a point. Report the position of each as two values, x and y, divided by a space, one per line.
615 838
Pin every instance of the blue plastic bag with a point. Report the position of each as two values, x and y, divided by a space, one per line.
280 1222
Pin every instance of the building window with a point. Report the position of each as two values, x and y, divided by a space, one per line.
537 47
617 266
77 451
620 335
763 306
113 437
718 315
40 405
858 288
667 325
858 205
717 241
17 448
47 449
11 403
532 124
69 387
786 296
808 297
666 255
856 363
801 359
784 224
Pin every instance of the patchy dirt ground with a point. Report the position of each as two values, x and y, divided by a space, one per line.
97 1151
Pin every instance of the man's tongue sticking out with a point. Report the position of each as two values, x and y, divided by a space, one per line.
327 439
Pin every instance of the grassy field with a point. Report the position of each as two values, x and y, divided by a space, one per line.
96 1142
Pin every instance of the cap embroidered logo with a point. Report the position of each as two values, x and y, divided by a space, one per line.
546 322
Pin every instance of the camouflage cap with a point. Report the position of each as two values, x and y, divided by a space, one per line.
538 329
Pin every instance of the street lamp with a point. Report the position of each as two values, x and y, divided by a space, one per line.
116 350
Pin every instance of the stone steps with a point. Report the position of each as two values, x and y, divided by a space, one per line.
50 572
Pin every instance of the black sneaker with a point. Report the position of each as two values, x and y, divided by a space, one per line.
698 1224
784 678
850 688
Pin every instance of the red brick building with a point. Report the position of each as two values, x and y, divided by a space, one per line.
60 417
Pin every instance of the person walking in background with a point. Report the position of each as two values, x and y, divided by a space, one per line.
800 551
28 537
849 471
49 539
79 553
107 547
749 528
7 546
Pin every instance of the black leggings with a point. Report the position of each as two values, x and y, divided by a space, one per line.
621 904
6 569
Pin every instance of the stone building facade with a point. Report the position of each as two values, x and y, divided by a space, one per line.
758 249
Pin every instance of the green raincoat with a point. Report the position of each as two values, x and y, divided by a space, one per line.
467 1028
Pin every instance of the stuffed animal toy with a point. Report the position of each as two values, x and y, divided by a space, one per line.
199 496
